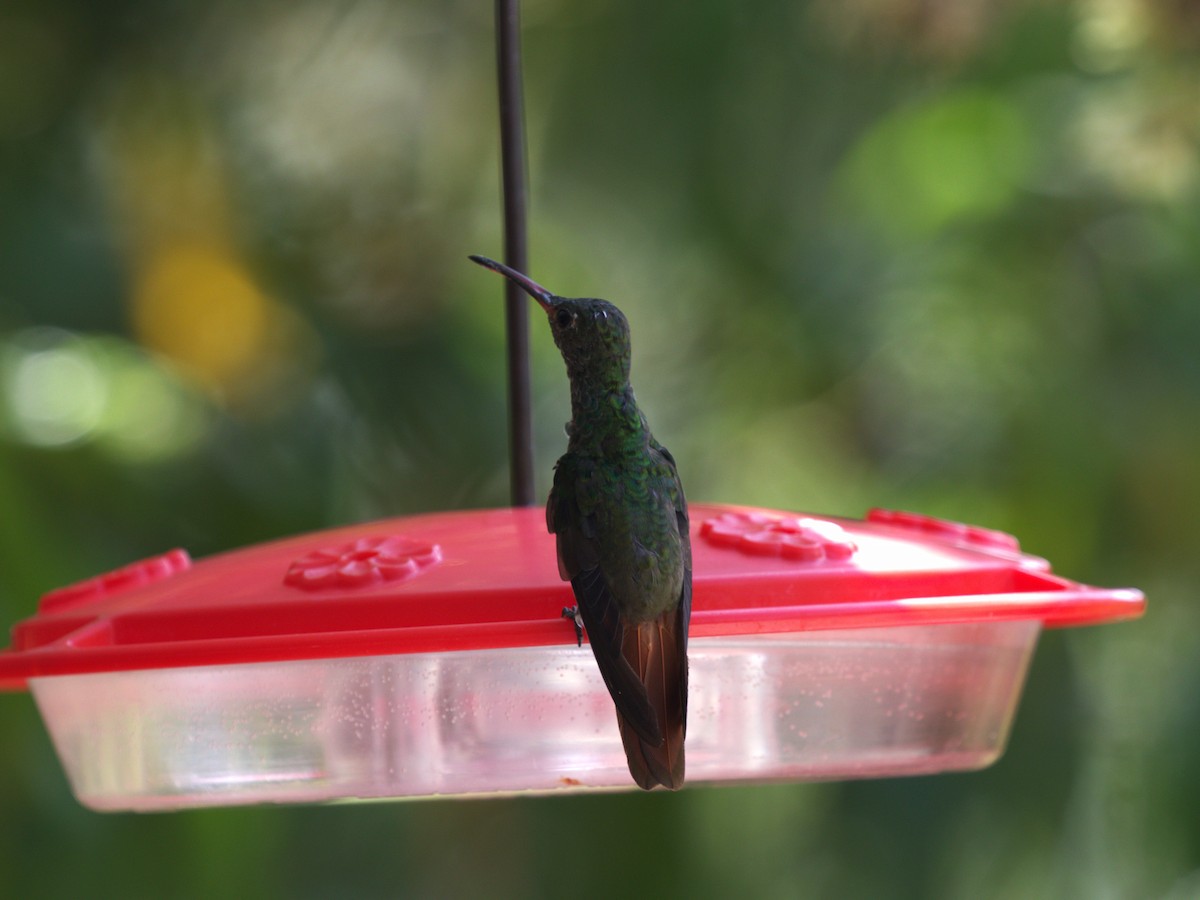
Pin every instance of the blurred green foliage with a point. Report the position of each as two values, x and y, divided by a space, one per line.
926 254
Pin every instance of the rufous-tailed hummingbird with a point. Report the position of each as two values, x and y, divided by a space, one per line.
620 519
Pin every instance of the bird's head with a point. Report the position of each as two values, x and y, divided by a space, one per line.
593 335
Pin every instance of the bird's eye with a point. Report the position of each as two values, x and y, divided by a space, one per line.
564 318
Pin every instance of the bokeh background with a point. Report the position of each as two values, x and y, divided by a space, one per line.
940 255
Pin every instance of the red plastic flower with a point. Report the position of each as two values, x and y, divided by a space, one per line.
363 562
146 571
791 537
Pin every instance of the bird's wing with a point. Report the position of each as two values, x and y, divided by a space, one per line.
607 631
681 518
571 517
657 651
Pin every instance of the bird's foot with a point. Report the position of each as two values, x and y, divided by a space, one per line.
572 613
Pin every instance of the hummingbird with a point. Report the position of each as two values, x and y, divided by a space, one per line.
620 521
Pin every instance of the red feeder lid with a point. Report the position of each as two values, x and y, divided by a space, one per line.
486 579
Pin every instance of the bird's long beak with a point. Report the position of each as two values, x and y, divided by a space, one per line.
527 284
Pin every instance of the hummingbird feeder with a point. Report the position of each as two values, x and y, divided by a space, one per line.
428 655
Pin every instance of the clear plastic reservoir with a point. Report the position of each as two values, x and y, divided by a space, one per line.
860 702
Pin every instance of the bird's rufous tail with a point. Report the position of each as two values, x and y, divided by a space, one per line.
657 651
